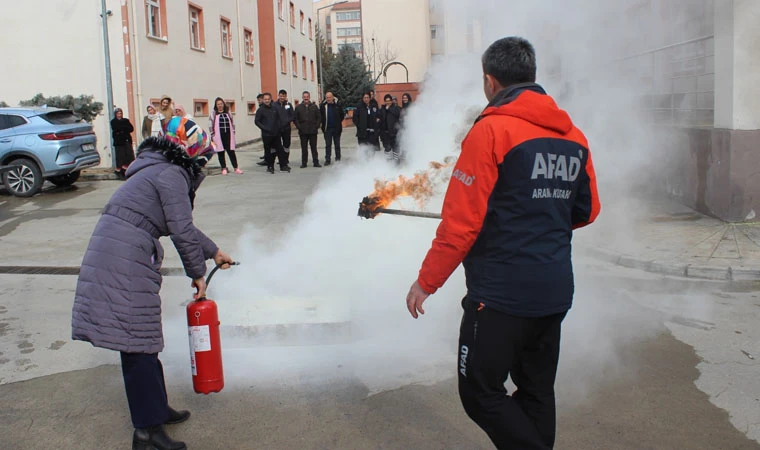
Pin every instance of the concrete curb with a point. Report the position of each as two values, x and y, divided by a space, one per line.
722 273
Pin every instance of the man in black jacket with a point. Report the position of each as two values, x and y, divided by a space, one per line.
289 113
269 118
389 123
307 121
366 122
332 114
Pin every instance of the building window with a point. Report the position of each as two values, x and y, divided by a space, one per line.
303 67
292 15
226 38
313 76
200 107
251 108
357 46
303 23
248 40
283 60
433 31
197 35
346 16
347 32
295 64
230 105
311 30
155 18
281 9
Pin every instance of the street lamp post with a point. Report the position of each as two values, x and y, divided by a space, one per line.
319 51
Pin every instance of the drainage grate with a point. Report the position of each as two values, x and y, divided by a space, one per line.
69 270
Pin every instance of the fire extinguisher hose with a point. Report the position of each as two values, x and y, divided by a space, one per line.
213 271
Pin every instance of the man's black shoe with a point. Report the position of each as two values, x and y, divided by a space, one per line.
262 157
261 163
316 164
337 158
270 170
155 438
303 166
285 169
327 163
176 417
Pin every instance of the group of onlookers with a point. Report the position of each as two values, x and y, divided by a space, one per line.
375 124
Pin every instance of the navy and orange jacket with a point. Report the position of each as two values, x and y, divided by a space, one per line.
523 182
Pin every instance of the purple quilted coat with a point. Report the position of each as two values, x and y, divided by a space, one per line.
117 305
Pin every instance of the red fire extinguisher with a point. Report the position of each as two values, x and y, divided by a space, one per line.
205 343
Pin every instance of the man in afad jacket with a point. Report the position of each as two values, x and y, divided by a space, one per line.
332 114
307 120
523 182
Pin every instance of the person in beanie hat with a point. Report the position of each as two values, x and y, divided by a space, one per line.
117 304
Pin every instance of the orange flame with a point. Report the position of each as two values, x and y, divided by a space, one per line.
420 187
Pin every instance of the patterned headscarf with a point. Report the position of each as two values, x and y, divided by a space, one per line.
189 135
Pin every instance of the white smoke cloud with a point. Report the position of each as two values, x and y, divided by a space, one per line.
345 279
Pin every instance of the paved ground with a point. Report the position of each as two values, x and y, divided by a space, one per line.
648 362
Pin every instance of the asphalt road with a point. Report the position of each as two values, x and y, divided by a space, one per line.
647 363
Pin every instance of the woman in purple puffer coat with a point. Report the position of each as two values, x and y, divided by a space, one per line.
117 304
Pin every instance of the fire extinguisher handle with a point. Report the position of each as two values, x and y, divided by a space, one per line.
213 271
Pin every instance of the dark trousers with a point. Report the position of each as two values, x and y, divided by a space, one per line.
389 142
494 346
332 136
223 160
146 389
273 149
306 141
285 135
370 139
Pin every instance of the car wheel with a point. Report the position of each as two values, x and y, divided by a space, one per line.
65 180
25 179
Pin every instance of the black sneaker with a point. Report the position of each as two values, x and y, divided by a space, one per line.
327 163
285 169
303 166
270 169
261 163
317 164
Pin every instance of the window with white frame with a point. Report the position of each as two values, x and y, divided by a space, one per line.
303 23
357 46
248 40
346 32
226 38
281 9
153 16
348 15
196 28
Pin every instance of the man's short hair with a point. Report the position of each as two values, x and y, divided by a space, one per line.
283 91
265 94
260 96
306 92
511 60
388 97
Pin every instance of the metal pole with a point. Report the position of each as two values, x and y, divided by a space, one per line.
400 212
109 83
319 59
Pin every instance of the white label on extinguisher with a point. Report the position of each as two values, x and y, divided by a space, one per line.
193 367
200 338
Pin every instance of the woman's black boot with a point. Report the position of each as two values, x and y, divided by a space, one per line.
155 438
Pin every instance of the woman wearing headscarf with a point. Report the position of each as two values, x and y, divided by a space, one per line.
121 132
222 129
166 109
152 123
117 304
179 111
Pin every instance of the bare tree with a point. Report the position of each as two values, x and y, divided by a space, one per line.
378 53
